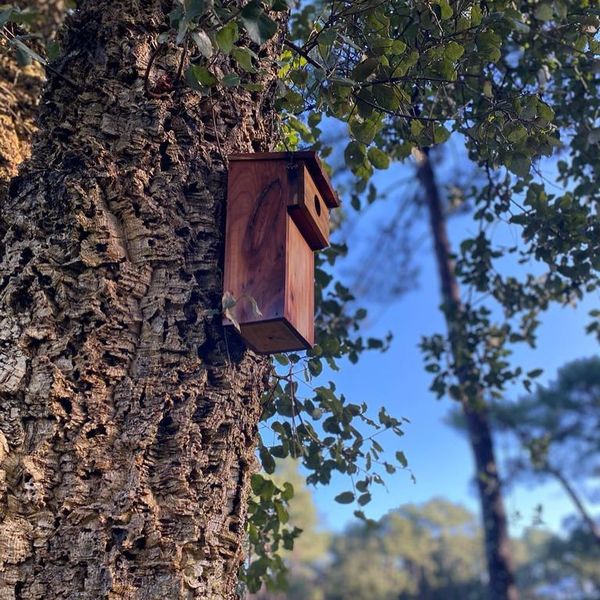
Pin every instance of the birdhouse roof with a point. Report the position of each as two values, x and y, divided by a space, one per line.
313 164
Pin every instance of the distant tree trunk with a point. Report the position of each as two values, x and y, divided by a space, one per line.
497 544
128 423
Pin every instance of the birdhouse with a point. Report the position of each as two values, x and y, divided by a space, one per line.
277 215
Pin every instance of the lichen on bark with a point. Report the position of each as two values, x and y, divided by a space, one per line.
128 422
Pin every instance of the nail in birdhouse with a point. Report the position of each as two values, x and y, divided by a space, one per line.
277 215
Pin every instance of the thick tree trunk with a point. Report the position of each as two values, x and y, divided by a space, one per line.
127 421
497 544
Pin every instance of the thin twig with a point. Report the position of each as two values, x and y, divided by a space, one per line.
147 74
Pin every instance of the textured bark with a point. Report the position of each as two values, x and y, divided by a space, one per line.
19 97
497 543
20 91
127 421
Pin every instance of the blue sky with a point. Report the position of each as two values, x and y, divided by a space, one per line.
438 457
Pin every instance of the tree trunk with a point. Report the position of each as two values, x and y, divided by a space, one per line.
497 544
128 422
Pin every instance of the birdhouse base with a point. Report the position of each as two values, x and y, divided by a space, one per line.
276 335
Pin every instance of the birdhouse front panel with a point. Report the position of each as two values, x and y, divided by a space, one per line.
277 215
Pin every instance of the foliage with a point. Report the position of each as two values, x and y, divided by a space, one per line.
309 548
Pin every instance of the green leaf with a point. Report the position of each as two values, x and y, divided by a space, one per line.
198 76
378 158
453 50
364 499
194 9
401 458
488 44
6 15
520 165
365 68
257 482
288 491
298 76
227 36
440 134
355 154
282 513
231 80
260 27
545 112
203 43
280 5
267 460
517 133
244 56
16 15
23 57
363 131
253 87
416 127
282 359
345 498
182 31
446 9
25 54
544 12
52 49
387 96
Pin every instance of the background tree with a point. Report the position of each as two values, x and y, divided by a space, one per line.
429 551
558 566
472 360
556 428
470 394
434 551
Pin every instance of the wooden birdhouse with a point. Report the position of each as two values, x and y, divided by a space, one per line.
277 215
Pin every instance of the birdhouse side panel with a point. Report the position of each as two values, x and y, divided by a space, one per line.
300 284
255 250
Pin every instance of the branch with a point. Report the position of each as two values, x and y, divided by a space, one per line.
302 52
